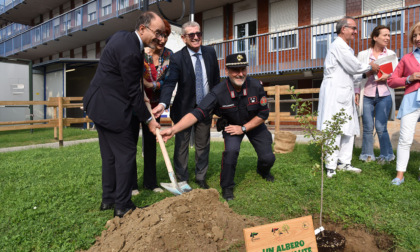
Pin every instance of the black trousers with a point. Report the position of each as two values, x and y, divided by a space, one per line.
149 156
118 152
260 139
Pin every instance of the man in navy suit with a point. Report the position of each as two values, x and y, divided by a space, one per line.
115 103
196 70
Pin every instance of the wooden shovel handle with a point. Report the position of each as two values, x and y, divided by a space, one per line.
161 143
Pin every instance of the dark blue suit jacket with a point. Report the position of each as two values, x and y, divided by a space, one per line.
115 94
181 71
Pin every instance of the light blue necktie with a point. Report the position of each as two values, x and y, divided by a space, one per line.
199 89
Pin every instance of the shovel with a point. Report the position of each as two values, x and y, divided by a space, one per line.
174 187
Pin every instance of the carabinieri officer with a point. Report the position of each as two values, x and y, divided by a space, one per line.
241 104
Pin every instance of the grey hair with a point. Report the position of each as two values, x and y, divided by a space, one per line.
189 24
341 23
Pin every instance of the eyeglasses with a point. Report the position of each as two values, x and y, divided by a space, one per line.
192 35
158 35
351 27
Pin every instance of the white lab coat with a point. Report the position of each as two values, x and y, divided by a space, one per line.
337 88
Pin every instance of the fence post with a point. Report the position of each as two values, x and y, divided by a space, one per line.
60 121
277 108
55 117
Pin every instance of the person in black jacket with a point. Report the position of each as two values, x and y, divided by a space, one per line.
196 70
115 103
241 103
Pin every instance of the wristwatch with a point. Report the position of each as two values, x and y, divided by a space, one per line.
149 120
243 129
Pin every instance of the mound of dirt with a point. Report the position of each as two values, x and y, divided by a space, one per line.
199 221
195 221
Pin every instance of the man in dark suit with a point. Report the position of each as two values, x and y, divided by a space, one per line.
115 103
196 70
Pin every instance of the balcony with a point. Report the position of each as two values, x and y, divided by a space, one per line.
6 5
24 11
102 17
94 13
305 48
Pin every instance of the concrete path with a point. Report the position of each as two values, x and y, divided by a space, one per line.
214 136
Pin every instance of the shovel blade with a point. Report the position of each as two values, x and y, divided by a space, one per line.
177 189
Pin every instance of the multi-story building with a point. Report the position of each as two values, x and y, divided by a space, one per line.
285 40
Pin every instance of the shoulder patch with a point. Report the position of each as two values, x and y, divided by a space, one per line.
263 101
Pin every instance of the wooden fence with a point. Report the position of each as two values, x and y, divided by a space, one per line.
57 122
60 103
278 90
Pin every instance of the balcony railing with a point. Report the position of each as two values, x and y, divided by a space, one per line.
305 48
12 30
6 5
78 19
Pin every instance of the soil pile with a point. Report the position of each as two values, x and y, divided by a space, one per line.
194 221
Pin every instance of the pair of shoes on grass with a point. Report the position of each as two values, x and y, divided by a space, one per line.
397 181
342 167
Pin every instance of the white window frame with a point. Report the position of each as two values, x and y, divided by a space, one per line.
106 10
383 21
122 4
330 37
273 38
91 16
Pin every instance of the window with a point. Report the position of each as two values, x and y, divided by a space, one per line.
37 35
245 30
78 15
283 41
91 16
321 43
106 10
283 15
91 12
123 4
46 30
56 25
322 37
391 21
220 50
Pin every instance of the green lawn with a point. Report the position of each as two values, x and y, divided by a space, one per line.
50 197
40 136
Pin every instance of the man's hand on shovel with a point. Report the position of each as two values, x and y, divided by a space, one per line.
167 134
153 125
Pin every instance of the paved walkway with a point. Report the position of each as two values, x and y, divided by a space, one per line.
215 136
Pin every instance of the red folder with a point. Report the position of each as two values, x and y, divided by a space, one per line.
387 64
386 68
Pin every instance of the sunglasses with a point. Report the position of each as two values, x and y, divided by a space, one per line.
192 35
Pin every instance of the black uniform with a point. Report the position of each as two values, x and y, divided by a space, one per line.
239 108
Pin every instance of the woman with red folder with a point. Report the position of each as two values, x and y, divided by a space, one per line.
375 99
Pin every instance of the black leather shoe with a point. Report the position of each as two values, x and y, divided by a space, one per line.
268 177
121 212
202 184
227 194
105 206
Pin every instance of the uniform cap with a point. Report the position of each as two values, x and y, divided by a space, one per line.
236 60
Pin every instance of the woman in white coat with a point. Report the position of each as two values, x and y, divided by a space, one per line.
375 99
337 92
